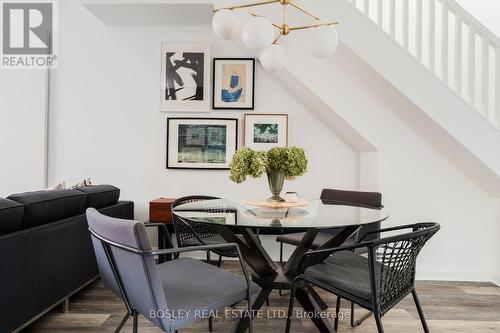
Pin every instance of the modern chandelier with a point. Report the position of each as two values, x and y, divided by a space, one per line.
259 34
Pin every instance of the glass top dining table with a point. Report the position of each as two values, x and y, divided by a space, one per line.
317 214
236 221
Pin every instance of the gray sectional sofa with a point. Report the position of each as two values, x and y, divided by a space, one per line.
46 253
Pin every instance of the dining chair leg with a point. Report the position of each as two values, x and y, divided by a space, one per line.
378 320
290 307
420 312
135 327
281 261
219 264
337 311
353 322
208 257
281 252
210 324
122 323
358 322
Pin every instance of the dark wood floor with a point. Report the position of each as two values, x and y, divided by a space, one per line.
450 307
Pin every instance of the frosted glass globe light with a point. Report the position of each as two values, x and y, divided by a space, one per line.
323 41
226 24
257 33
273 58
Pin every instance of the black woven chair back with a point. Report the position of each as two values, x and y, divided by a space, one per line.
394 261
355 198
188 230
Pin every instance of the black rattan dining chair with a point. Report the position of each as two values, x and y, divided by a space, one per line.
376 283
189 233
339 197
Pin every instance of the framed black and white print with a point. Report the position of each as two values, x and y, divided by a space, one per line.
233 83
201 143
264 131
185 77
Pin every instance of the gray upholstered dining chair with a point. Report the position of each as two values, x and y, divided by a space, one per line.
158 292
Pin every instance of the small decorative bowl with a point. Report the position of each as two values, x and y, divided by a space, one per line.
291 197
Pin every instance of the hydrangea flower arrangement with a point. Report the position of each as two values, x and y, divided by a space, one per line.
291 161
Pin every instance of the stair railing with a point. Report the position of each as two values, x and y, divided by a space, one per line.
450 42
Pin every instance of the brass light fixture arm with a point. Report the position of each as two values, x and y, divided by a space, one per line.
283 28
257 15
300 27
303 11
284 14
277 39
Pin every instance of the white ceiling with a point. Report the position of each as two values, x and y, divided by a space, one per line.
151 12
185 12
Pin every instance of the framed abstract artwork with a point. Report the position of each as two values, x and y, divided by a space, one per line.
185 77
201 143
233 83
265 131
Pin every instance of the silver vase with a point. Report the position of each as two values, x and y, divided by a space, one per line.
276 180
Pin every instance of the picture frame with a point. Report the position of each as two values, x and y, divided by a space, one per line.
233 84
263 131
201 143
229 217
185 77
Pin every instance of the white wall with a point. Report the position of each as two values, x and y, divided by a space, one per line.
486 11
22 105
496 244
417 182
107 125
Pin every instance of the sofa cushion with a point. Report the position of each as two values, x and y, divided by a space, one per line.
42 207
100 196
11 216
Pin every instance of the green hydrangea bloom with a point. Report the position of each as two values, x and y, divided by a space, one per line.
247 162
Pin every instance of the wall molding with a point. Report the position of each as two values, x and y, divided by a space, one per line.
496 278
454 274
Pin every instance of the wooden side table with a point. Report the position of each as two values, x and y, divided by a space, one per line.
160 211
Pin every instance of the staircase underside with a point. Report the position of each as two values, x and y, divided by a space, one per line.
414 94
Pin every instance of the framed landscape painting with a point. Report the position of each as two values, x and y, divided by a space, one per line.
201 143
233 83
266 131
185 77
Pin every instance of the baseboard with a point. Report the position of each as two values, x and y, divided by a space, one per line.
496 278
453 274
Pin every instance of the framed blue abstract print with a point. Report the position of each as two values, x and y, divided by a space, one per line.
233 83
